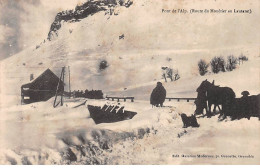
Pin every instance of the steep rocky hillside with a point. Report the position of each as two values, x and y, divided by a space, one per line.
120 47
84 10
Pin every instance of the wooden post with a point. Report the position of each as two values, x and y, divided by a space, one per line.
178 100
63 86
132 99
124 100
22 96
69 82
57 90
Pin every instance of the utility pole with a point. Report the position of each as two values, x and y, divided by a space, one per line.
62 93
58 89
69 81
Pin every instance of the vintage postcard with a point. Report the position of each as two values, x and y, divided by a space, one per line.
129 82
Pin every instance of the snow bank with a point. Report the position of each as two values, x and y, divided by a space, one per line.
40 134
66 135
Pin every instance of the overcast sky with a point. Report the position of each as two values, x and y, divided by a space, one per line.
25 23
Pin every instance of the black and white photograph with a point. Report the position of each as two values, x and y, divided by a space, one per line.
129 82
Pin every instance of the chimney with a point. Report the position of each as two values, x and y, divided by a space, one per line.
31 77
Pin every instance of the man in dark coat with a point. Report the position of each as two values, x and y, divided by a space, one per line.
158 95
201 103
244 109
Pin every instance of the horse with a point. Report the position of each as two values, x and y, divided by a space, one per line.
254 104
216 95
247 106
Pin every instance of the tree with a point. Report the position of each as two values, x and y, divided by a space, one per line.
217 64
231 63
103 65
203 67
173 74
242 58
121 2
176 74
170 74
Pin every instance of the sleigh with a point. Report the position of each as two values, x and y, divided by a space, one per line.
109 114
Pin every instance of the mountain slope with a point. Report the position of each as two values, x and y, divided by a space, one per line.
150 39
37 133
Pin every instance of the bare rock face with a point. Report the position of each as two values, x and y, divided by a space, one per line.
82 11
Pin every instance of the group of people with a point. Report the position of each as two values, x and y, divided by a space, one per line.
210 94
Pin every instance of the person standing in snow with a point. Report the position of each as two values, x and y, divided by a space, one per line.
201 103
158 95
245 110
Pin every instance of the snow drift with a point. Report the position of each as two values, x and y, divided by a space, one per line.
40 134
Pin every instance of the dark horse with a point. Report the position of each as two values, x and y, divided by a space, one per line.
247 106
208 92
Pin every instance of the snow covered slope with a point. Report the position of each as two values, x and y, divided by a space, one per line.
245 77
40 134
133 61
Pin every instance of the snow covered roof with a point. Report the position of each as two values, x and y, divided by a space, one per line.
47 71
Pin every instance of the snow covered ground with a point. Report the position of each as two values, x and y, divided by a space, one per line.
37 133
40 134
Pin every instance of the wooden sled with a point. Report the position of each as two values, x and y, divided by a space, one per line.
109 114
